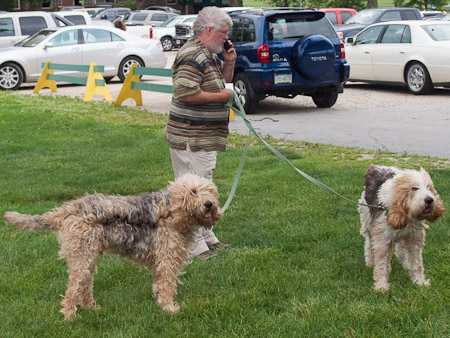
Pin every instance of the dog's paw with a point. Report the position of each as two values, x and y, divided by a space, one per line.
69 314
424 282
381 287
172 308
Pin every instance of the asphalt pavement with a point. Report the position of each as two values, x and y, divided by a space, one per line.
365 116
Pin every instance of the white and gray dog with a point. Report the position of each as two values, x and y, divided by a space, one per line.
409 199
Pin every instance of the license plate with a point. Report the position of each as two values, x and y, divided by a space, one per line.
283 78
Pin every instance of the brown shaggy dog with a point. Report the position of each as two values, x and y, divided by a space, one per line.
410 199
153 229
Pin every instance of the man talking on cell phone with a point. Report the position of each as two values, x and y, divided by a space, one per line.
198 121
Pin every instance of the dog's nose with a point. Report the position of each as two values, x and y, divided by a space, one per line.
208 204
429 200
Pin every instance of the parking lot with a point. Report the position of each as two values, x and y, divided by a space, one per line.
365 116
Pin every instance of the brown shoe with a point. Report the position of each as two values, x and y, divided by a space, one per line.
205 255
219 245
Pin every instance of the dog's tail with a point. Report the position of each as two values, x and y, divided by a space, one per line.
26 222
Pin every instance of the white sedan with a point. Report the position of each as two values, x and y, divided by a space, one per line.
412 53
112 48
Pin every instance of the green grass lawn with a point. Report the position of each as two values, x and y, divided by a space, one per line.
297 265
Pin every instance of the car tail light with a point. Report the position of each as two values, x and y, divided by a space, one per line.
151 33
263 53
341 43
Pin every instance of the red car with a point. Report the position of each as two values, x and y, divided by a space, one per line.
337 16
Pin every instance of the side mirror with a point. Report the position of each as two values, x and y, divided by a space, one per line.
349 40
48 45
104 17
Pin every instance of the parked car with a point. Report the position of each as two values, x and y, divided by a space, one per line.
367 17
142 18
83 18
412 53
164 9
113 48
431 15
285 54
337 16
111 13
183 33
166 32
16 26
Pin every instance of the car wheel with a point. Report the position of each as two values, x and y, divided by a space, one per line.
418 79
108 79
11 76
244 93
325 97
126 64
167 43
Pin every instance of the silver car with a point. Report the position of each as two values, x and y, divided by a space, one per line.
112 48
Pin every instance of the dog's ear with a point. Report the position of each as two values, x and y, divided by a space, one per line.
397 216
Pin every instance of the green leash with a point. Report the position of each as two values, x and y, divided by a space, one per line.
235 104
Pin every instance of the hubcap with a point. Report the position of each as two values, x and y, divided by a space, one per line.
167 44
9 77
241 91
127 66
416 78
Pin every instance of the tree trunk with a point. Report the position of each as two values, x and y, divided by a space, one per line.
372 3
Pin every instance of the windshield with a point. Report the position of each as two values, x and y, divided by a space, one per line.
33 40
363 18
172 22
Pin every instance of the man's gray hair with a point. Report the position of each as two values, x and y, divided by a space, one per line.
211 17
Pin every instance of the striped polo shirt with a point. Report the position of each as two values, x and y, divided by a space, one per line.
203 127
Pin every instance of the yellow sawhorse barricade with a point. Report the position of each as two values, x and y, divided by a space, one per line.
132 86
95 83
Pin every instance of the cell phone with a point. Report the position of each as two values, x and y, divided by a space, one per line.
227 45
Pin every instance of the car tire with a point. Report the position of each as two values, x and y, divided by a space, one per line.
126 64
418 79
325 97
167 44
310 63
108 79
11 76
245 93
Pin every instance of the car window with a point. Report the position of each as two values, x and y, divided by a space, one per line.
32 24
235 34
115 37
6 27
363 17
438 32
139 17
294 27
370 35
410 15
160 17
394 34
332 17
122 11
67 38
76 19
391 16
345 15
96 36
110 15
35 39
248 31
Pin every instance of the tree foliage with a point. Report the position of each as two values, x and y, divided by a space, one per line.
7 5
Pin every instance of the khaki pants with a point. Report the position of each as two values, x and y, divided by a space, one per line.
201 163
